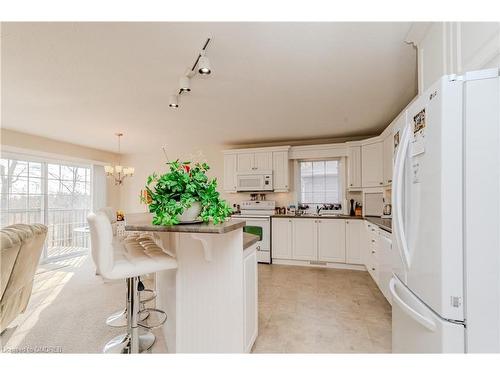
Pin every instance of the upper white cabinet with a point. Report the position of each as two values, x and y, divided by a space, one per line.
282 238
304 239
354 167
246 162
269 159
355 239
280 168
372 170
230 161
331 240
263 161
388 152
255 161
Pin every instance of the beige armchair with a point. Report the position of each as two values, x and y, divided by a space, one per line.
21 247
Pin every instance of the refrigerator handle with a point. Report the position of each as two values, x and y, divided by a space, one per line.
427 323
399 233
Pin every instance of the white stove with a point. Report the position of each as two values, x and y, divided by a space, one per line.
257 215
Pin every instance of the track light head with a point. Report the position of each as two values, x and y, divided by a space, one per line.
184 84
204 64
174 101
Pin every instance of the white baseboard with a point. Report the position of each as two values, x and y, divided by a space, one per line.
306 263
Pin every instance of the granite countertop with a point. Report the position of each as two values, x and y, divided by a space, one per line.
385 224
142 222
314 216
249 239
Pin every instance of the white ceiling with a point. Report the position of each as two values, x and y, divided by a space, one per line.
82 82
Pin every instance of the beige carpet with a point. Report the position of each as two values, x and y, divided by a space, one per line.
67 312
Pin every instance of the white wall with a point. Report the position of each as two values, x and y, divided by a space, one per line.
454 47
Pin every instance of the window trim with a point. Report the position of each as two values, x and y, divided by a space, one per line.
342 177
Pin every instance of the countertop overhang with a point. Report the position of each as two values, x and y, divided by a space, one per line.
143 222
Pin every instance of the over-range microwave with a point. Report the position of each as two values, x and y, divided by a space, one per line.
254 181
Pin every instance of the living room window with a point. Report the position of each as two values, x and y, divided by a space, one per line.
55 194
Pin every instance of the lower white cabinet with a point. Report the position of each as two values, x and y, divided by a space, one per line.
324 240
355 241
386 260
304 243
281 238
250 305
372 256
331 240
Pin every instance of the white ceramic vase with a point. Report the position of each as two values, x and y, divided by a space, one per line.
190 214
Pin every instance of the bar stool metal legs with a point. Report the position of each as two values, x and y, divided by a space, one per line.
135 340
119 318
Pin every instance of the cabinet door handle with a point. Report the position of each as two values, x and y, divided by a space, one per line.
373 241
373 268
389 181
381 183
373 251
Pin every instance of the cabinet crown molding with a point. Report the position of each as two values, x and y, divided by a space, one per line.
256 149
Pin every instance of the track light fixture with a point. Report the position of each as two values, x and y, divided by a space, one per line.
204 64
174 101
184 84
201 66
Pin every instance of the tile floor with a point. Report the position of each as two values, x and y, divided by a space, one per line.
319 310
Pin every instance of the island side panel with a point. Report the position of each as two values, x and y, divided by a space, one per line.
209 294
166 294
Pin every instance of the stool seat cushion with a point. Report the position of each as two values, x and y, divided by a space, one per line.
123 259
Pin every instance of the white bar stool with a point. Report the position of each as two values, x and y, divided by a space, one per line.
119 318
127 260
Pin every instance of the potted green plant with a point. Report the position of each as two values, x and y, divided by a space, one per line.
184 194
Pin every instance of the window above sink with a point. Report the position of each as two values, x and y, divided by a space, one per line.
320 184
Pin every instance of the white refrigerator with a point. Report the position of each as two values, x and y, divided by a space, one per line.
446 229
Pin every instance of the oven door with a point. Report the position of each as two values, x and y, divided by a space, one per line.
260 226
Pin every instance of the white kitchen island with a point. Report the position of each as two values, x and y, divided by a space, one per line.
211 299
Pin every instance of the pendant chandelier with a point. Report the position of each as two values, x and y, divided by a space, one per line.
118 172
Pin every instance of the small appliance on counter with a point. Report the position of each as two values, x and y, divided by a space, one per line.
358 211
280 210
387 211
